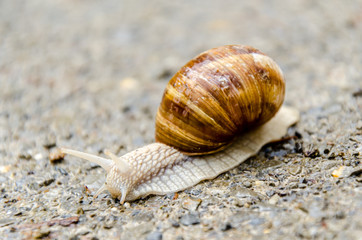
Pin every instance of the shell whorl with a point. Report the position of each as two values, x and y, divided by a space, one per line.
216 96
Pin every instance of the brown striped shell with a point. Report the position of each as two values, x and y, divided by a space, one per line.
216 96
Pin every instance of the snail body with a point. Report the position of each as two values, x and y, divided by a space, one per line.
212 102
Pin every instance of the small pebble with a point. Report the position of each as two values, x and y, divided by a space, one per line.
274 199
312 153
270 193
126 205
294 169
247 184
339 172
154 236
5 169
299 147
49 141
80 211
38 156
18 214
226 226
174 223
190 219
62 171
293 185
42 234
25 154
340 215
56 156
83 231
346 171
47 182
238 202
191 203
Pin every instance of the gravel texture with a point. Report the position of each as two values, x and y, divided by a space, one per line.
89 75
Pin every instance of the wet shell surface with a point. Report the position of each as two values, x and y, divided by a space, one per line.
216 96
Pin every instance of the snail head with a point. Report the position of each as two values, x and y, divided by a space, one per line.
118 172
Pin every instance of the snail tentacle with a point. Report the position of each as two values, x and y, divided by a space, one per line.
100 190
105 163
122 165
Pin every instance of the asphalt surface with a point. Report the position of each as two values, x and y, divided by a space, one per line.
89 75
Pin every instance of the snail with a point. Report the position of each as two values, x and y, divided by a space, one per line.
216 111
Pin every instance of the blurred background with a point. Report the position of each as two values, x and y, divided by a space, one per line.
86 53
72 43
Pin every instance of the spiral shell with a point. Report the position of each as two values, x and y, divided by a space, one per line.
216 96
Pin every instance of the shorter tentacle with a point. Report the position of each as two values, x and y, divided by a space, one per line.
100 190
122 165
123 197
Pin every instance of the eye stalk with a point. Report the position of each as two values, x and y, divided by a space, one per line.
105 163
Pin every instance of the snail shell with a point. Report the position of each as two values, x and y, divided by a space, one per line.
217 96
206 106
